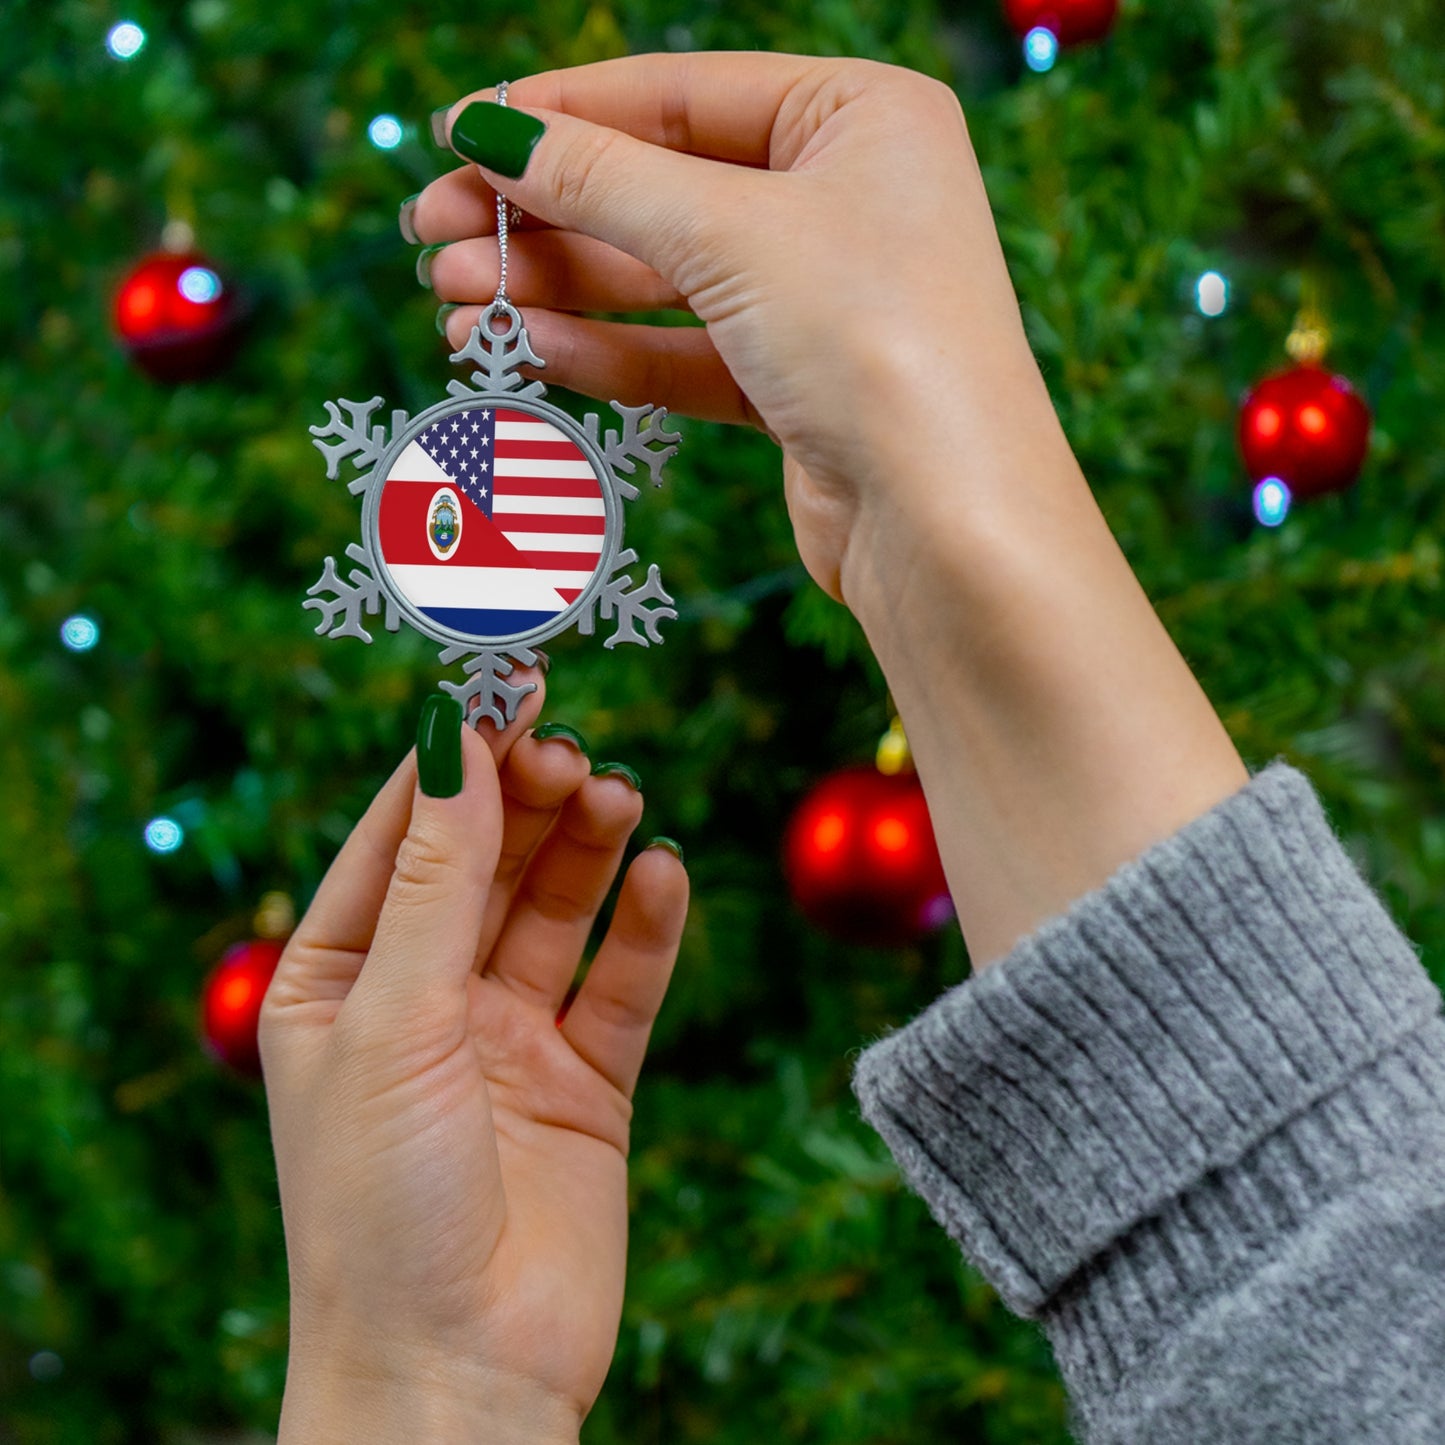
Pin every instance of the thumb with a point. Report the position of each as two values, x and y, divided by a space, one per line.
651 202
422 952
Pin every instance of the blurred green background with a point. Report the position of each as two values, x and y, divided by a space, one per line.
783 1284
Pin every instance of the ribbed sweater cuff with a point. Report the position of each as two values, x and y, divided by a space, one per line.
1221 984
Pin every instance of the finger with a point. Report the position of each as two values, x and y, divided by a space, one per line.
539 776
413 983
460 204
557 269
611 1019
650 202
500 741
558 899
724 105
324 954
673 366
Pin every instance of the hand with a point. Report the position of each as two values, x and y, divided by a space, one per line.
826 219
452 1158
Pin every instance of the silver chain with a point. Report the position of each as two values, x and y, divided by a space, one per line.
501 299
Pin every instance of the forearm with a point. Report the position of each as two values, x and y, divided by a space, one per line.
1057 730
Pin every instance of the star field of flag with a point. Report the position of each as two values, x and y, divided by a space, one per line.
533 523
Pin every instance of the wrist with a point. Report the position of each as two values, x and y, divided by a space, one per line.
410 1399
956 473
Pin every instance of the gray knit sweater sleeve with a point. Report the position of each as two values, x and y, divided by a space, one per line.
1195 1126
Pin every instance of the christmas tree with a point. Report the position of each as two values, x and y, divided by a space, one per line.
177 743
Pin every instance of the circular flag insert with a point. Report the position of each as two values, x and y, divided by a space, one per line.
491 522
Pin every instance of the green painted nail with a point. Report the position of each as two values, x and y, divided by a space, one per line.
561 730
439 125
496 136
443 312
405 222
423 262
439 746
617 770
671 844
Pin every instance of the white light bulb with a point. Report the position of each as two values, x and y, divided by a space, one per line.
126 40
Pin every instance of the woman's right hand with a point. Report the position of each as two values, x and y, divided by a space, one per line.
825 218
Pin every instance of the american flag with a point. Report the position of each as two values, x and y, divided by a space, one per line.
532 522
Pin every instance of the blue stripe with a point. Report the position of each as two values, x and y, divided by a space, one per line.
488 621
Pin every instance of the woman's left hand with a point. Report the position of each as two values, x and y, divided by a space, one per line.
452 1155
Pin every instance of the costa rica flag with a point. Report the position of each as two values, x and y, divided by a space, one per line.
491 522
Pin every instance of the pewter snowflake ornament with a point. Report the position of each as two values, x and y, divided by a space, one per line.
492 521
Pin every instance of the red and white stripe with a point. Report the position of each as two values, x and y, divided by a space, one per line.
547 501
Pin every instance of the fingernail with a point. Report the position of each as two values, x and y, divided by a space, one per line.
439 125
617 770
423 262
443 312
543 661
561 730
496 136
404 220
671 844
439 746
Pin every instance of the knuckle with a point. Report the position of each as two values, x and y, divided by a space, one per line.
424 863
579 170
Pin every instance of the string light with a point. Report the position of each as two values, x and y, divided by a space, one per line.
1211 294
1271 502
126 40
1041 48
164 835
385 132
199 284
79 633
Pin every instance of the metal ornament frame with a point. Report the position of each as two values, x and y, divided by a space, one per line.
369 589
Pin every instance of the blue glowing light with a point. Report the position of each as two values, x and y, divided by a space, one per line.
79 633
1211 293
385 132
1271 502
164 835
1041 48
126 40
199 284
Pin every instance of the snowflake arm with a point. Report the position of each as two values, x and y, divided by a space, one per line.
630 607
349 599
643 438
499 354
359 440
486 693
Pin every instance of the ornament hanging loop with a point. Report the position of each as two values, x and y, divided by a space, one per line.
502 309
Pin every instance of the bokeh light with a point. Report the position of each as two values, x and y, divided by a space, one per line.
1041 48
80 633
126 40
164 835
1271 501
199 284
385 132
1211 293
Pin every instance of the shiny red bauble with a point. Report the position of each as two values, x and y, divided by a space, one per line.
1073 22
1307 427
861 861
231 1003
176 317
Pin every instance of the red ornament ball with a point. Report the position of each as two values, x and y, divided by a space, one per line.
861 860
1308 428
1073 22
231 1003
176 318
